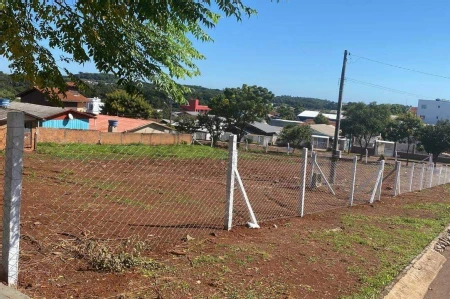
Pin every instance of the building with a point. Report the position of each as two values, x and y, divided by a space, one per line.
94 105
73 99
262 133
284 122
433 111
46 117
103 123
310 115
194 106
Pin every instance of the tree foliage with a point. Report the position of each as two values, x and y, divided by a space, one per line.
295 135
186 124
213 124
286 112
435 139
364 122
305 103
242 106
121 103
321 119
133 40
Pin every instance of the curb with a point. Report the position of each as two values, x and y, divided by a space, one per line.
11 293
414 280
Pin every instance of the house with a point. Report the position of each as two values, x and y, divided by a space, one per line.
412 110
73 99
284 122
124 124
46 117
194 106
433 111
262 133
323 136
309 115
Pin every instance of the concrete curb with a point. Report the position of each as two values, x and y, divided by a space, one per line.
10 293
414 280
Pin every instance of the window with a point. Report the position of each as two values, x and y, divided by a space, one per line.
424 106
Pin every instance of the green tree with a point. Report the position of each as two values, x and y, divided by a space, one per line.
321 119
404 128
295 135
435 139
286 112
364 122
242 106
186 124
133 40
119 102
213 124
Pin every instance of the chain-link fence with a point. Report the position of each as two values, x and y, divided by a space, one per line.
117 196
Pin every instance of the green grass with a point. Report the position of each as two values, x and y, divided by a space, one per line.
105 151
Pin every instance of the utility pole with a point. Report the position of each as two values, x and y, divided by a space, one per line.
338 118
336 151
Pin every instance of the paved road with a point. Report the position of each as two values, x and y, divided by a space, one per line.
440 287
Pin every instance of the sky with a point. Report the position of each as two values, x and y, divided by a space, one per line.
295 47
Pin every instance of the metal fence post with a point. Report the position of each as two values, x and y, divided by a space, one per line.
422 172
398 166
411 176
12 196
303 182
353 180
231 174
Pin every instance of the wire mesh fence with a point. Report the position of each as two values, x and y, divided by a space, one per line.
121 196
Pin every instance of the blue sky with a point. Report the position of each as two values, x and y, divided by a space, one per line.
295 48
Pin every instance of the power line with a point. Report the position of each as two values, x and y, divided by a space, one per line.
400 67
386 88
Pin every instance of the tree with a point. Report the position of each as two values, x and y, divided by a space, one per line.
364 122
213 124
321 119
404 128
119 102
435 139
133 40
295 135
242 106
186 124
286 112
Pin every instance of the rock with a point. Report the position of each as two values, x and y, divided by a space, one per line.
189 238
213 234
275 226
335 230
37 223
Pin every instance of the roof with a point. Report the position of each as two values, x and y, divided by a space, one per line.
413 110
266 127
124 123
72 95
322 129
42 112
313 114
151 123
284 122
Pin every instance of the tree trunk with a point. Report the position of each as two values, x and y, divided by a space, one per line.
435 158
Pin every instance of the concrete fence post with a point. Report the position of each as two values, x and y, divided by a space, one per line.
398 166
353 180
411 177
231 175
303 182
431 175
440 173
422 172
380 184
12 196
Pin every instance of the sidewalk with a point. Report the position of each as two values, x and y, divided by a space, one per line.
440 288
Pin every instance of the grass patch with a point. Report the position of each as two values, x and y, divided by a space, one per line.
105 151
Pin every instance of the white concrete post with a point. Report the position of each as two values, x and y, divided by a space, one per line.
353 178
380 184
246 144
422 172
445 174
288 147
313 163
267 147
367 154
397 178
303 182
12 196
431 175
231 175
440 173
411 176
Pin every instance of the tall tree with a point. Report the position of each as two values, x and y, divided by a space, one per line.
295 135
213 124
286 112
133 40
242 106
321 119
404 128
186 124
435 139
365 122
119 102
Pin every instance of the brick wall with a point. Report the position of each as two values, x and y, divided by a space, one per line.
94 137
2 137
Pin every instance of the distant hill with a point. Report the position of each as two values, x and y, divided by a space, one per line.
305 103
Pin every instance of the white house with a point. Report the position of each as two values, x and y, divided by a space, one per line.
432 111
307 114
94 106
